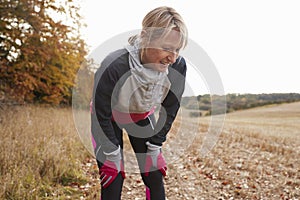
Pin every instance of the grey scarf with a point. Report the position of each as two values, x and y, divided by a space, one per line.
141 73
145 87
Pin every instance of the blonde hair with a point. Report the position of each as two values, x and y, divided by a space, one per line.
161 21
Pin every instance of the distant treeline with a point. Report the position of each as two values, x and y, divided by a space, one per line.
234 102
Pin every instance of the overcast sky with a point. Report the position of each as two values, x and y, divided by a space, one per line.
254 45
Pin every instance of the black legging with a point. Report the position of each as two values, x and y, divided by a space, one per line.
138 134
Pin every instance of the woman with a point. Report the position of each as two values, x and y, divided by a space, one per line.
130 84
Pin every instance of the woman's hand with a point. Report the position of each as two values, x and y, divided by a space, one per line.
154 158
110 169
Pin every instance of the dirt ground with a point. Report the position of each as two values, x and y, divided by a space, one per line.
256 156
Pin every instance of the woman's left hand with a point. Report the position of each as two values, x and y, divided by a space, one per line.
154 158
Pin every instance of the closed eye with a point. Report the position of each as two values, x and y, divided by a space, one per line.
171 50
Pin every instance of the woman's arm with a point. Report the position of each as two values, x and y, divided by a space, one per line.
106 78
171 104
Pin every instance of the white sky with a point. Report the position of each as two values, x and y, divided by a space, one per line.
255 45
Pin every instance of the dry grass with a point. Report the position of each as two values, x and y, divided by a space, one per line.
41 155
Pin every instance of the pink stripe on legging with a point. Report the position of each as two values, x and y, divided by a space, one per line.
147 193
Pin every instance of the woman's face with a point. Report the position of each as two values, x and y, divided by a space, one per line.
162 52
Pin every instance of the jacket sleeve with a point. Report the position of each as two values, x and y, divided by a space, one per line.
171 103
102 128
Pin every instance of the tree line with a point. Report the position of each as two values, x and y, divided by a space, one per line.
41 51
235 101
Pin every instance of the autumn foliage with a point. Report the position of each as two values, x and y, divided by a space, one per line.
41 50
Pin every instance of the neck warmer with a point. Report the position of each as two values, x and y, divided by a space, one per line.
144 88
141 73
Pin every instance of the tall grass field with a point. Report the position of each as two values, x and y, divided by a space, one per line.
41 154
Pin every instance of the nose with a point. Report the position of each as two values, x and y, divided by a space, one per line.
172 57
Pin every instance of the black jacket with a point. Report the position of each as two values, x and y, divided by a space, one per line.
114 70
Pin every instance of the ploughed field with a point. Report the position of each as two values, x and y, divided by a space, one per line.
256 156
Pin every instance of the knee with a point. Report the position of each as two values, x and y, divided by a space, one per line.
154 180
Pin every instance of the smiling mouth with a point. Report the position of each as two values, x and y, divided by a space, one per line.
165 64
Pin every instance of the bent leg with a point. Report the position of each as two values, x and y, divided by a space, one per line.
114 190
155 179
